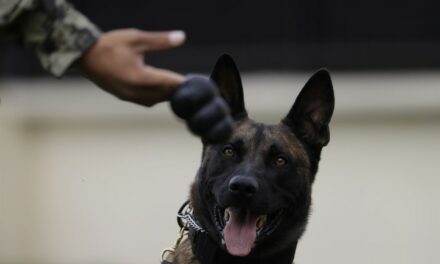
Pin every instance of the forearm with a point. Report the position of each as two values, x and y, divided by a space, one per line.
57 32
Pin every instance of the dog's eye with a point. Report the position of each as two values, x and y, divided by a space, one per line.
280 161
228 152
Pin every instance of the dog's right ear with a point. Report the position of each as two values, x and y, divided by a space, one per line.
227 77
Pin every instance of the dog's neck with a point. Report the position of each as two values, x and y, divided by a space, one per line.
208 252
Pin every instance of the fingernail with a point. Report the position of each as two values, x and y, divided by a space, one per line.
177 37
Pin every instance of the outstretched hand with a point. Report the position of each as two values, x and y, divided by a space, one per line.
116 64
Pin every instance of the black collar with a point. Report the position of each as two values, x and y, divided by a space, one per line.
207 251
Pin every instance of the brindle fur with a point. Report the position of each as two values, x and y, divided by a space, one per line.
300 137
184 254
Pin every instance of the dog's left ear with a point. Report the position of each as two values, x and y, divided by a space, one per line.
227 77
310 115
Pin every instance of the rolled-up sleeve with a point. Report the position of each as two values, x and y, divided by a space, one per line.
57 32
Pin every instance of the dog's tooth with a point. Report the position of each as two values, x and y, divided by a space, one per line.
227 215
223 242
261 221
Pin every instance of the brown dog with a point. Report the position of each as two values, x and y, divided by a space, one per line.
251 197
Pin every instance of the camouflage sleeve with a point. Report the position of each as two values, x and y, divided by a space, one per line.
53 28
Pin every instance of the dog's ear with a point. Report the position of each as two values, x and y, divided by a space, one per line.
310 115
227 77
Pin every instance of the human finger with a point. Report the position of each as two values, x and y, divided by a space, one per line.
156 41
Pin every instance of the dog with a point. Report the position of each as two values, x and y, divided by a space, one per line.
251 198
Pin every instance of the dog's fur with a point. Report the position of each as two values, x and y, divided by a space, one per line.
281 160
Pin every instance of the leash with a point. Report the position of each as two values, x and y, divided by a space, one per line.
207 251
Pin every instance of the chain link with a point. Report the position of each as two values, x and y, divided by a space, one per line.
185 214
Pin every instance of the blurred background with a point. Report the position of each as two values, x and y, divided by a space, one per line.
85 178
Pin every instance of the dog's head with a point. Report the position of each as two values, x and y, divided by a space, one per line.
253 193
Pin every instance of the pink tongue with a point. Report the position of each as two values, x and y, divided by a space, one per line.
240 233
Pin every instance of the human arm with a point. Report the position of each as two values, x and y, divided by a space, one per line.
63 38
57 32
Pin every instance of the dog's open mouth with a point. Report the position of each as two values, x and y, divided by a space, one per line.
241 229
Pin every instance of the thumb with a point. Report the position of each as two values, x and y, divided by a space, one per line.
161 79
155 41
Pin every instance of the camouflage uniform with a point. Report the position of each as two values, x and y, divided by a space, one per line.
53 28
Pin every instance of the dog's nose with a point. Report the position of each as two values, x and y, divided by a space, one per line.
243 185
